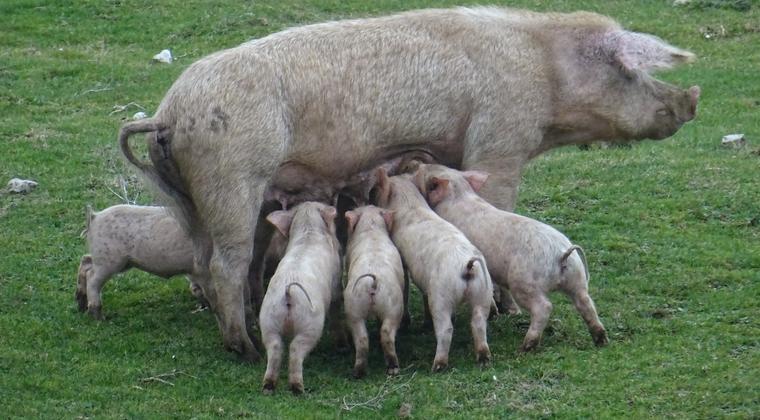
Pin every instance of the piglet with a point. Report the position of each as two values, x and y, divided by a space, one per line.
446 267
125 236
375 284
529 257
305 284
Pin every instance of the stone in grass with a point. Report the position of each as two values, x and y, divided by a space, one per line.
733 140
139 115
164 56
21 186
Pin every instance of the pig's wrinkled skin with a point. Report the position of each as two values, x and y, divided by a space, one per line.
305 284
126 236
530 257
475 88
444 265
375 284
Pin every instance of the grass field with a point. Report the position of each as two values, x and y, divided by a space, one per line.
671 230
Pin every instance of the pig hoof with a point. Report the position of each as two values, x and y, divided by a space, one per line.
528 346
392 371
359 372
600 338
82 301
514 311
440 366
95 312
484 358
269 386
296 388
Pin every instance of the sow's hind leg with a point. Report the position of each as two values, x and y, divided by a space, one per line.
227 190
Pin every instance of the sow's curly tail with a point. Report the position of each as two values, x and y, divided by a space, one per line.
163 171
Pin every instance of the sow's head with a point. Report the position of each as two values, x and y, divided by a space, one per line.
608 76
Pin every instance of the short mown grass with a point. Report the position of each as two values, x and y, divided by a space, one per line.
671 230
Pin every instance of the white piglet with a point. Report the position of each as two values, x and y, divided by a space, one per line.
305 284
125 236
530 257
375 284
446 267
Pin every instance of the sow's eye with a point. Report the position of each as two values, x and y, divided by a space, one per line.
664 112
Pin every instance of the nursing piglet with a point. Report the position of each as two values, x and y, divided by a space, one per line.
305 284
446 267
375 284
530 257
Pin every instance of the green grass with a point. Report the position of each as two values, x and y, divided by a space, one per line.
671 229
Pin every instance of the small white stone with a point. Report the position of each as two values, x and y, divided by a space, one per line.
139 115
733 140
23 186
164 56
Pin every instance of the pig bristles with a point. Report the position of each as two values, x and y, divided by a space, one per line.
374 281
287 294
563 259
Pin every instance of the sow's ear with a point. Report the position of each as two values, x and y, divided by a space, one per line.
438 189
476 179
352 218
637 51
281 219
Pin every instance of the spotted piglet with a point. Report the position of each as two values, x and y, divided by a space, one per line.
530 257
126 236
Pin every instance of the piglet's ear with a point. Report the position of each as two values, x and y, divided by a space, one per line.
328 214
281 219
418 179
383 187
637 51
352 218
476 179
438 189
388 217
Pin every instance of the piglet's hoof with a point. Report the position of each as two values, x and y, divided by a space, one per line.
268 388
528 346
95 312
392 371
440 366
484 358
296 388
359 372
